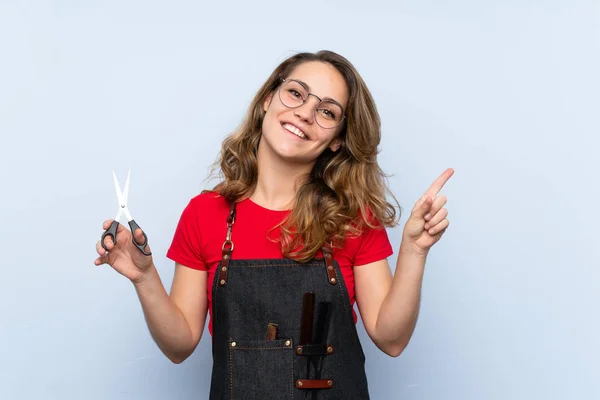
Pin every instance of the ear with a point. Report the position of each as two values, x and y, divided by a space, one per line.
335 144
267 102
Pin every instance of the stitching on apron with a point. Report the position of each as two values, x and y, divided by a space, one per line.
292 380
258 348
230 371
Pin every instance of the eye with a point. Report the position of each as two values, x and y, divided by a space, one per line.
327 113
295 93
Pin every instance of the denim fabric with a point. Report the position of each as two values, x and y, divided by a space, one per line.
258 292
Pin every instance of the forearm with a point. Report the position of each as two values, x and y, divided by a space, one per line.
397 317
166 323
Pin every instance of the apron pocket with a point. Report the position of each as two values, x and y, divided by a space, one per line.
262 369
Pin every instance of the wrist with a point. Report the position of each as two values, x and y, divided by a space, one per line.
409 248
144 276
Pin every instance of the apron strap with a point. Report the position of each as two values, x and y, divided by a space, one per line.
329 265
227 247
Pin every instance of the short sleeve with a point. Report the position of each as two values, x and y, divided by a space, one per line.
374 246
186 243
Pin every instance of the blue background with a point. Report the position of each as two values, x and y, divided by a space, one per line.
505 92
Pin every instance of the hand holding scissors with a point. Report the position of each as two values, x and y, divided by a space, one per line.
123 210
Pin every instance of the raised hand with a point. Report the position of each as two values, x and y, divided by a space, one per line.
428 219
124 256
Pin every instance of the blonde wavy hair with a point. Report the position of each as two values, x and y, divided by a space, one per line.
345 191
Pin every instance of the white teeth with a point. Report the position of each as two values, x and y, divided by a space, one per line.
295 131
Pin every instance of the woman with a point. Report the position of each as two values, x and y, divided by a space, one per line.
287 242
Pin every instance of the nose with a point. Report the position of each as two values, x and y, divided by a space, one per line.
306 111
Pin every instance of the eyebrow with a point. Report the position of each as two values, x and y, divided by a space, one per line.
305 85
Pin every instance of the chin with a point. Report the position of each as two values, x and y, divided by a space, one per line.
286 153
291 157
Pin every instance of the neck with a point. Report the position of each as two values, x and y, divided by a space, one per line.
278 181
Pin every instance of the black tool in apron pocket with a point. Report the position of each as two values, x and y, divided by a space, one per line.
306 324
313 342
272 331
323 315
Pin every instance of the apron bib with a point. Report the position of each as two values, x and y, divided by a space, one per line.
283 330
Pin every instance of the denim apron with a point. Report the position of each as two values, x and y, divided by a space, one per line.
283 330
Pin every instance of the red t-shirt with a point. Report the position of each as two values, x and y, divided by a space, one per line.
202 229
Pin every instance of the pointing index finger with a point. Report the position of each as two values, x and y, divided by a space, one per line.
439 183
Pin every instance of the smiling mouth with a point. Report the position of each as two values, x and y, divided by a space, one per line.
292 129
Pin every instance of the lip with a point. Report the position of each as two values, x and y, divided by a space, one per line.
297 127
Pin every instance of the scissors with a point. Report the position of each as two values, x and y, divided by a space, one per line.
112 230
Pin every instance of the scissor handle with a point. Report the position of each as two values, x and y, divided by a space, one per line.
141 247
112 232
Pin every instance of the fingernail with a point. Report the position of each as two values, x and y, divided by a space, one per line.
427 217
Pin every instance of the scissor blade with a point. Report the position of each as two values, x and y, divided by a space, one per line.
126 190
125 211
118 190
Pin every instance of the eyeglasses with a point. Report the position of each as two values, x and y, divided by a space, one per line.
328 113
